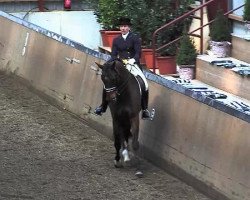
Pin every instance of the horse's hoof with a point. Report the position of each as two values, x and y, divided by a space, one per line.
117 164
126 159
139 174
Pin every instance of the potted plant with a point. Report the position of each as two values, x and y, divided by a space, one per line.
146 15
107 13
186 58
165 61
246 15
220 36
165 58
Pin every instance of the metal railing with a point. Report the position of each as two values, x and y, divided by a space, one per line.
181 18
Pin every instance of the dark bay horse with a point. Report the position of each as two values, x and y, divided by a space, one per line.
124 96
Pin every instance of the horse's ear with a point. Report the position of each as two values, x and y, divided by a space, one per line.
99 65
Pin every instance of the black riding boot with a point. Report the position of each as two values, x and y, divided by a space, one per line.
103 107
144 105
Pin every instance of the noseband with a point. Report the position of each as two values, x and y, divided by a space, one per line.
111 93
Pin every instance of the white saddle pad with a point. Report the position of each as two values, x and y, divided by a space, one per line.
136 71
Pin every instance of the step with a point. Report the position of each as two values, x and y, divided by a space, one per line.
211 71
228 102
240 47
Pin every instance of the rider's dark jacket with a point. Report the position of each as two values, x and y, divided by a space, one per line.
125 49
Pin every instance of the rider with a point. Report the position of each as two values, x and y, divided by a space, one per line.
127 47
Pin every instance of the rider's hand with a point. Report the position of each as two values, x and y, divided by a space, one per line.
131 61
125 61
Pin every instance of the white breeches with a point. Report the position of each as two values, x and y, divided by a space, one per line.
136 71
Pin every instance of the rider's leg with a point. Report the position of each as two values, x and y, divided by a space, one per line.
137 71
103 107
144 104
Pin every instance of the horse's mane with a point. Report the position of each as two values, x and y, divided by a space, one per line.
115 65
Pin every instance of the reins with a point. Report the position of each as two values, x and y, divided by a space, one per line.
120 89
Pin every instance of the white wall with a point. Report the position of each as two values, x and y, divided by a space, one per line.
238 28
237 3
80 26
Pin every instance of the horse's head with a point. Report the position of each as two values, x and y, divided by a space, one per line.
112 73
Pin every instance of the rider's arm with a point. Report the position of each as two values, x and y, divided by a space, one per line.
137 48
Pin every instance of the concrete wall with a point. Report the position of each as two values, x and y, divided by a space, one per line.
237 3
196 138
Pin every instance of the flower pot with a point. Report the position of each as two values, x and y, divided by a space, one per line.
111 35
147 57
108 37
142 59
104 38
220 49
186 72
166 64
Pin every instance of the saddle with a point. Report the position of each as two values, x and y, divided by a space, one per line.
134 69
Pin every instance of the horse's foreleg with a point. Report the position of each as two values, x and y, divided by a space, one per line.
118 140
117 144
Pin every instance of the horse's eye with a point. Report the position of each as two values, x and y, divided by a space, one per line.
104 78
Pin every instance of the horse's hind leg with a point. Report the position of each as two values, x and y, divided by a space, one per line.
121 135
135 132
125 145
135 144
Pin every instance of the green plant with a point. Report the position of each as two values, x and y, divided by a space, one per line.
108 12
187 53
220 28
91 4
138 12
146 16
167 36
164 12
246 13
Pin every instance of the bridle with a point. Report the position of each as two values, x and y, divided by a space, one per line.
115 91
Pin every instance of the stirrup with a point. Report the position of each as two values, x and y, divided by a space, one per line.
146 115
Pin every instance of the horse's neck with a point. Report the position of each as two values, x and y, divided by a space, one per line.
132 88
